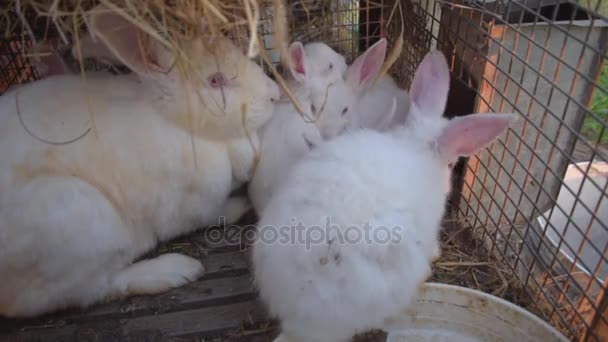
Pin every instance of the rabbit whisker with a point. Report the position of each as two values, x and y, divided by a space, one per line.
325 99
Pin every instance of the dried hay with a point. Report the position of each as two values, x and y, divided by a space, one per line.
471 260
255 25
170 23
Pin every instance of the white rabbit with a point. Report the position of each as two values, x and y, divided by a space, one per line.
287 137
373 104
315 65
345 242
74 217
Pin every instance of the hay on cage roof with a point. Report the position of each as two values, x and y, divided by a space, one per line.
170 23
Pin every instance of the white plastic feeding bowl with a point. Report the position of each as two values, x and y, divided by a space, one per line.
457 314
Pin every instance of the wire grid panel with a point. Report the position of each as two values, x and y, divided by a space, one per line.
17 65
538 196
351 26
14 67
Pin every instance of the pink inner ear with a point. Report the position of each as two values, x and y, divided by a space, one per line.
373 59
55 65
367 69
466 135
49 62
431 84
297 57
124 41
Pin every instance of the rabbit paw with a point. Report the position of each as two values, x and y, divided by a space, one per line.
158 275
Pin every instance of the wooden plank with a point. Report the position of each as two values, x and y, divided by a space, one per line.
227 280
209 321
198 294
224 262
196 321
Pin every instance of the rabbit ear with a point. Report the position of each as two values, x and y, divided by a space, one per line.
465 135
366 67
91 48
49 62
429 90
297 61
129 44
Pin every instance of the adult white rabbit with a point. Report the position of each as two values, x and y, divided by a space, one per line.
74 216
344 244
287 137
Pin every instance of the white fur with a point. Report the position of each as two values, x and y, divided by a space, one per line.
325 65
373 105
335 288
74 217
330 102
378 100
285 140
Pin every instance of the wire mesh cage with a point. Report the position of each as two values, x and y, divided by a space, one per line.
534 206
537 199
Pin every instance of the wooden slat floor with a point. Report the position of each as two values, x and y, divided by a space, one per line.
221 306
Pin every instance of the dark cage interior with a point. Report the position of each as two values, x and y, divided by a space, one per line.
527 218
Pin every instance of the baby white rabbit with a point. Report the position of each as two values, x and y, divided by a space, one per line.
316 65
344 97
344 244
373 104
74 216
287 137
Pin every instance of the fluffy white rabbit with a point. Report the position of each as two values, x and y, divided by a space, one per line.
374 104
315 65
288 136
345 242
74 217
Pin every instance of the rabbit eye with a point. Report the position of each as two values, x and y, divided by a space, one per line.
217 80
331 66
313 108
344 111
